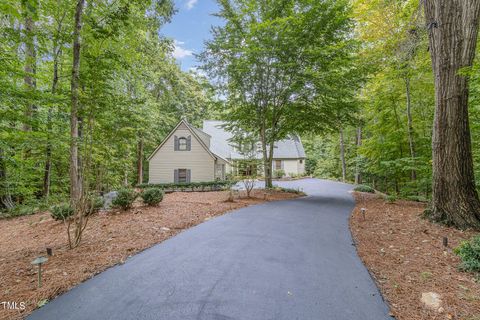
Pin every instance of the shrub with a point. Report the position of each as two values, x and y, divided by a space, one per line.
152 196
364 188
278 173
124 199
469 252
193 186
61 211
289 190
391 198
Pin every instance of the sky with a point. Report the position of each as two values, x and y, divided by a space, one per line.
189 28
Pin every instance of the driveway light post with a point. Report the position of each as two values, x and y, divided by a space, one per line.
39 261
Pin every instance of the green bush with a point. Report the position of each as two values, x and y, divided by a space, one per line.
152 196
61 211
278 173
191 186
391 198
469 252
288 190
364 188
124 199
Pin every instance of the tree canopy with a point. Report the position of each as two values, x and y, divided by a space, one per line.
93 84
284 66
130 90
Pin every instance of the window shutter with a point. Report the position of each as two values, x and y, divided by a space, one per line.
188 175
175 176
189 143
175 144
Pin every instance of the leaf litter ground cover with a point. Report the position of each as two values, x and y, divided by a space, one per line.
110 238
407 258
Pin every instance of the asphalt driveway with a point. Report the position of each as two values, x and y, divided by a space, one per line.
290 259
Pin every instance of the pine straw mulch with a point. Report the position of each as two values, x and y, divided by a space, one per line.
110 238
406 257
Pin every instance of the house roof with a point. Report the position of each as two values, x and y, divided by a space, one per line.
220 145
290 148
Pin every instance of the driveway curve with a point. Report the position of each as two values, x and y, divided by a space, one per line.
291 259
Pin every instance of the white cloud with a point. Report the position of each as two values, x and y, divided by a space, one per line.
191 3
179 52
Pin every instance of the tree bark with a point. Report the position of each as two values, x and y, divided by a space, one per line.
5 197
75 178
57 52
358 174
30 63
140 161
267 160
269 177
453 30
342 156
411 142
48 151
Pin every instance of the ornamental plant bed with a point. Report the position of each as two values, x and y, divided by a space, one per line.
110 238
406 257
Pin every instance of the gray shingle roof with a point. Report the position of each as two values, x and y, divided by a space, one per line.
290 148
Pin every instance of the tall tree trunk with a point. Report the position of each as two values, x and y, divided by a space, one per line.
30 61
411 142
269 176
399 126
358 174
5 197
140 161
453 29
267 159
48 151
75 179
342 156
57 52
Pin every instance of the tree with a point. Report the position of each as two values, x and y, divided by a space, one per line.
453 30
342 156
75 178
29 12
248 167
76 181
285 67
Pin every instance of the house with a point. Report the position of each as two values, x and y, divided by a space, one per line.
189 154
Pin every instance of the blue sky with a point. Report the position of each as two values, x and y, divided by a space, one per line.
189 28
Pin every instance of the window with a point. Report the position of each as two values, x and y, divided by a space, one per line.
278 164
301 160
182 144
182 175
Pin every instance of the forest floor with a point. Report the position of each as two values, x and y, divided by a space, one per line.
406 257
109 239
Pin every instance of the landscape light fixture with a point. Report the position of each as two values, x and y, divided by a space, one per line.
363 211
39 261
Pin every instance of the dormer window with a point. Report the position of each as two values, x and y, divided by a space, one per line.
182 143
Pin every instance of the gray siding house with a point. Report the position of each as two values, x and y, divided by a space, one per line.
189 154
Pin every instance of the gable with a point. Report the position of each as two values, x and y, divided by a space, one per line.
182 129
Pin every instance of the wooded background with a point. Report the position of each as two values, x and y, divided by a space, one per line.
354 78
131 92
